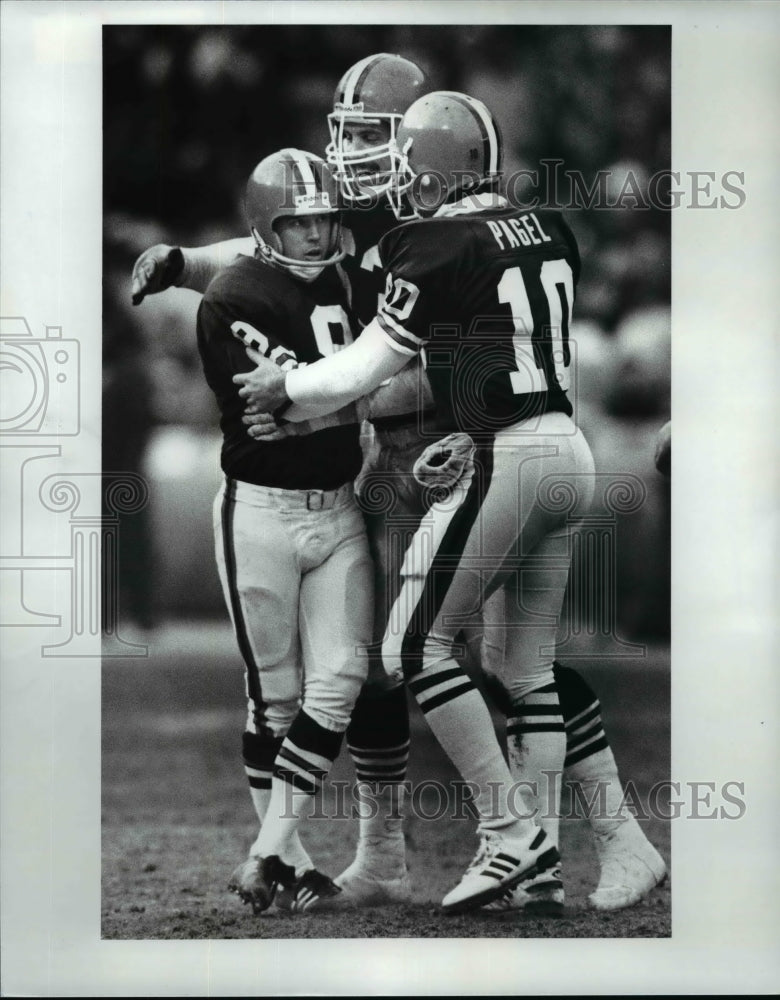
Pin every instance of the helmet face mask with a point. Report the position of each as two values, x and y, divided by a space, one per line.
448 146
372 96
400 196
288 184
364 173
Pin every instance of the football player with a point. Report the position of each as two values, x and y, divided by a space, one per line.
368 103
291 545
488 290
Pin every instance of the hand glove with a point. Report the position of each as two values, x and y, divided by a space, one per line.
155 270
442 464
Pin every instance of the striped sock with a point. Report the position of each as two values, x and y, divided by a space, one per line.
589 758
536 745
461 722
305 757
581 710
260 750
378 743
378 736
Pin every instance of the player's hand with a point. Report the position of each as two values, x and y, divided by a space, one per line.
155 270
263 388
443 463
263 427
663 449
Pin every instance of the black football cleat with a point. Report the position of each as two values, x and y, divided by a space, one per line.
256 880
313 890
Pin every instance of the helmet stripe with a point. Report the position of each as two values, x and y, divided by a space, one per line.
305 172
487 119
312 162
356 78
486 127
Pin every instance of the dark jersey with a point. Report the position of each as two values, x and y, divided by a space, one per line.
489 295
363 267
292 322
362 264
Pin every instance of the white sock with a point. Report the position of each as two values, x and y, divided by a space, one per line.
536 747
278 833
381 847
295 853
461 722
302 763
599 780
260 799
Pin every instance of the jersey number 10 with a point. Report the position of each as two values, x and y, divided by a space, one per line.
558 286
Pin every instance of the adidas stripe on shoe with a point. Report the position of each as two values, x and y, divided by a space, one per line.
313 890
539 896
500 863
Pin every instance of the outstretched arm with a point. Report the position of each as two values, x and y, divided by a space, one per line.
161 266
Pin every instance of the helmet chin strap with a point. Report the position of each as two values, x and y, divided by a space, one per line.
306 274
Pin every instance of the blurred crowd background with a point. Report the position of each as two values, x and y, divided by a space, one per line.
189 111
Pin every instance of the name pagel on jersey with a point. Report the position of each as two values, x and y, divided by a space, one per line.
519 231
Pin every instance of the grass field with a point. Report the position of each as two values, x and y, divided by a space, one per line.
177 815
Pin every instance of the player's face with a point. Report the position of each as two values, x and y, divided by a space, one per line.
358 137
305 237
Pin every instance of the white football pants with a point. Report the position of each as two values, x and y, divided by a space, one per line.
507 524
298 582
